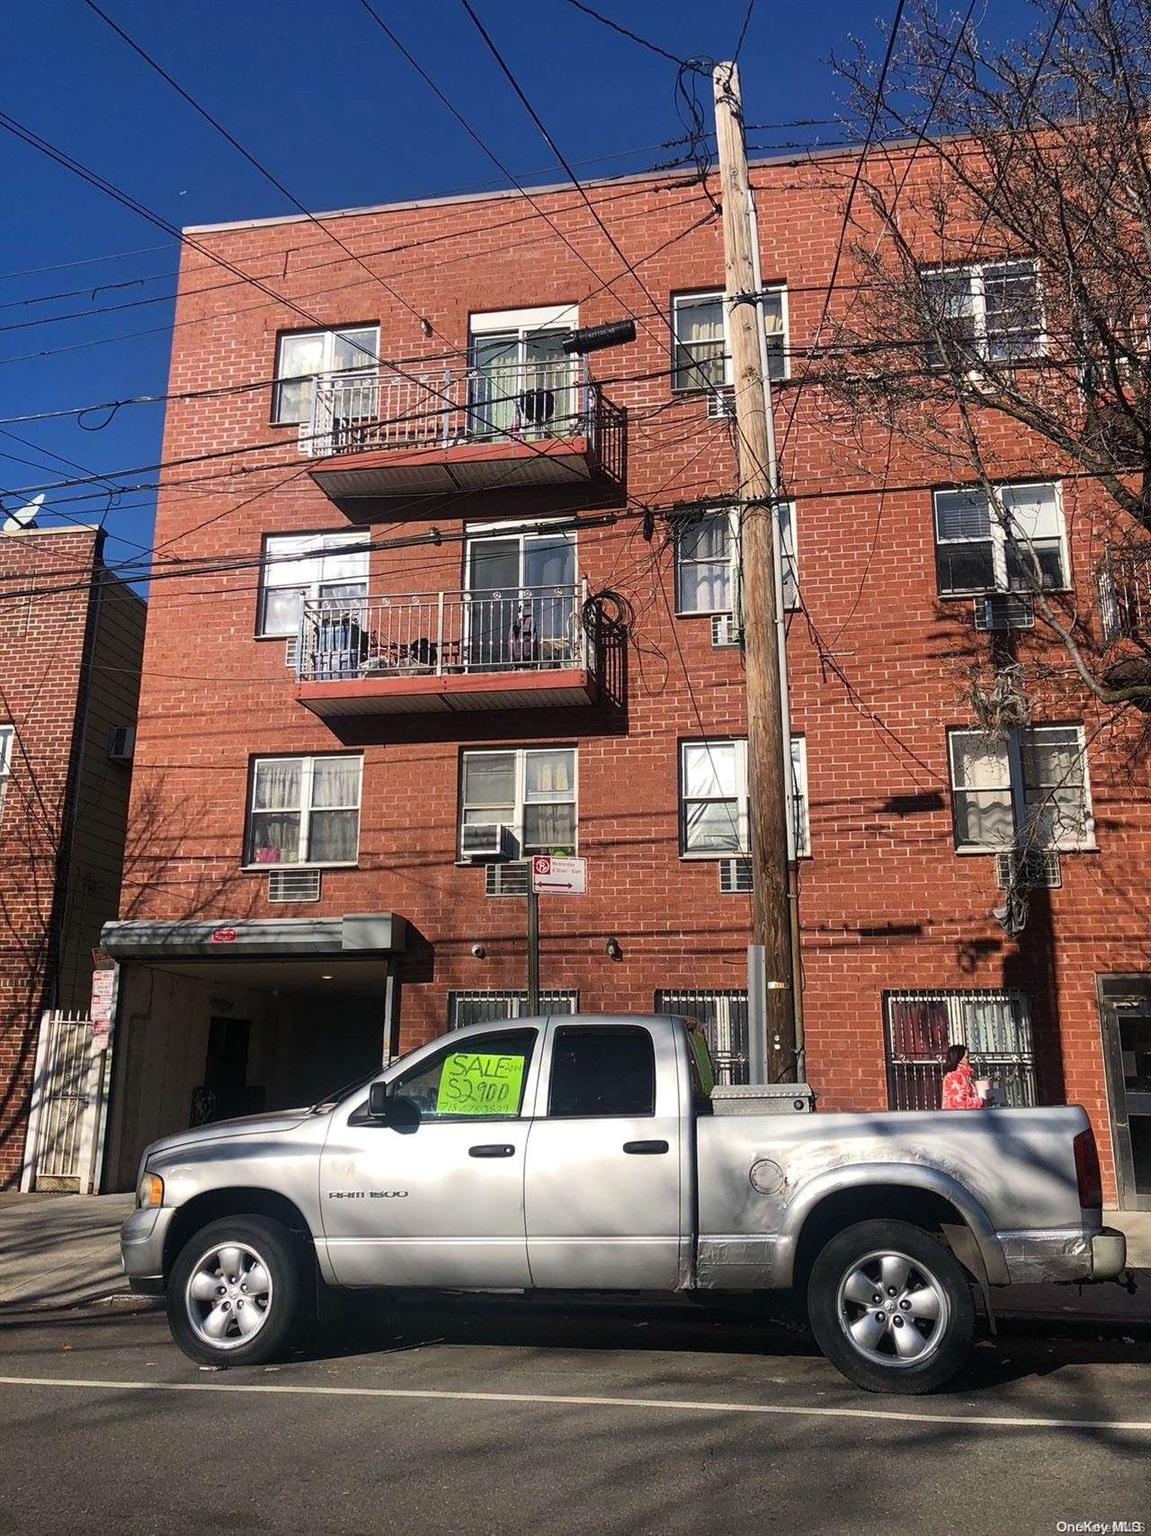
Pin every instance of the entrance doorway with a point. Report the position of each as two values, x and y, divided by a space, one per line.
1125 1014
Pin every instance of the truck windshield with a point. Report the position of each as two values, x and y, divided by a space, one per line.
330 1100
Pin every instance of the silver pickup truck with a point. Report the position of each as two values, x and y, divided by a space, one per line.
588 1153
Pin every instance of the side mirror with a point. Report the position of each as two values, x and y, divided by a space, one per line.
379 1103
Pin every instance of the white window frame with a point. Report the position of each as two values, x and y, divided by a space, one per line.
999 541
977 292
7 741
323 544
327 368
546 317
521 755
788 538
799 827
1018 787
681 301
305 809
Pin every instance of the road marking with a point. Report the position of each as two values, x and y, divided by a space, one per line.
667 1404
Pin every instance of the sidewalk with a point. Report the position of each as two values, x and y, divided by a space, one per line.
62 1251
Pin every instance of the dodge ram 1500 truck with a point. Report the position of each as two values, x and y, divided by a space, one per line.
585 1153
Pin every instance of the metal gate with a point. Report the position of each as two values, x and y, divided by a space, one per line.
60 1101
994 1026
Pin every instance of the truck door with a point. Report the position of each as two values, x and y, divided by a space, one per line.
435 1196
603 1176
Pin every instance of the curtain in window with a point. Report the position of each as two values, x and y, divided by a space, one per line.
711 798
703 564
333 832
274 833
981 787
699 327
1055 785
549 801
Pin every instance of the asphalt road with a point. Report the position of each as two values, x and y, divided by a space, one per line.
479 1420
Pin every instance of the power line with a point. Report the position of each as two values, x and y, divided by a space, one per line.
83 261
633 37
555 149
743 31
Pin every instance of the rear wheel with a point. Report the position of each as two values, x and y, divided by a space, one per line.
891 1307
235 1292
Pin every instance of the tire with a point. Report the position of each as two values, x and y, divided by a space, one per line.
918 1334
237 1307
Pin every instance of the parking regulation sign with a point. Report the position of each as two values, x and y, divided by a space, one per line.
559 877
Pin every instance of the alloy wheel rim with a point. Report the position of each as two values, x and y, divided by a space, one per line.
228 1295
892 1309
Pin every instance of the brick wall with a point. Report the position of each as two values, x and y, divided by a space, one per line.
886 902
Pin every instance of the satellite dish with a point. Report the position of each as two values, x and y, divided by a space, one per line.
25 517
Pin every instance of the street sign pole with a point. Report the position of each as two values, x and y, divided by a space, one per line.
533 951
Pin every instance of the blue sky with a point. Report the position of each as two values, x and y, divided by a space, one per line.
317 93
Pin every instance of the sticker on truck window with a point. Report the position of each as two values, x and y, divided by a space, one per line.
480 1084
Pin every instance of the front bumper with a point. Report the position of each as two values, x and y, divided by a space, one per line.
142 1239
1063 1256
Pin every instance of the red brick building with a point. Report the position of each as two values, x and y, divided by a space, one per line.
71 640
454 612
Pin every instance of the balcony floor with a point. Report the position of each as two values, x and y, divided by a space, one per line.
455 467
431 694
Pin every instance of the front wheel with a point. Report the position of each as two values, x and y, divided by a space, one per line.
235 1292
891 1307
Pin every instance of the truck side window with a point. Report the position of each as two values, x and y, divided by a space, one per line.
482 1078
609 1071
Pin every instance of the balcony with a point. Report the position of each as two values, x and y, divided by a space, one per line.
1125 593
396 433
444 651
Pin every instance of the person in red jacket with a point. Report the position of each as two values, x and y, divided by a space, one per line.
959 1090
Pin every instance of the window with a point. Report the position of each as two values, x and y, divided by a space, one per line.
522 382
487 1006
723 1015
523 598
707 561
1038 777
994 1026
304 810
987 313
309 566
7 736
976 550
714 819
600 1072
304 356
702 351
455 1083
531 790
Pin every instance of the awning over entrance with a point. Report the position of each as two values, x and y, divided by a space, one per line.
358 934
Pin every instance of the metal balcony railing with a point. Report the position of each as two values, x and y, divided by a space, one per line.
1125 593
443 634
362 412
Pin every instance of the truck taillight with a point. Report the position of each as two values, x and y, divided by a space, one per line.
1087 1172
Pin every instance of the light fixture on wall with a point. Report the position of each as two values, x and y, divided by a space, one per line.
612 950
479 952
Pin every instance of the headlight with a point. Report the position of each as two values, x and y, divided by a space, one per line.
150 1191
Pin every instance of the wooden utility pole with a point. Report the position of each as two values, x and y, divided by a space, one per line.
768 768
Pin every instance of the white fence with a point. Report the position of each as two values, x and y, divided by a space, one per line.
62 1104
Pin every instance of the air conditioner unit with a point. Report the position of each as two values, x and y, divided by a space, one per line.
735 877
725 631
507 879
1005 610
294 885
122 743
721 403
1028 867
488 840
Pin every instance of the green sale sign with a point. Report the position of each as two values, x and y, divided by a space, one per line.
480 1084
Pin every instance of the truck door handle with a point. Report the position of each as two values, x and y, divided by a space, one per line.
492 1149
645 1148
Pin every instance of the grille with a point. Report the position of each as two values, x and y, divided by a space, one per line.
735 877
506 879
294 885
